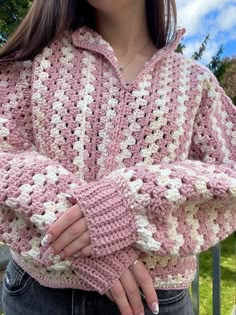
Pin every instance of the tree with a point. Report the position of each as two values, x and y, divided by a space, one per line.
11 13
216 63
199 53
228 77
180 49
224 69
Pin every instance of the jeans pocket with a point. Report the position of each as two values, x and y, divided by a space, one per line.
176 302
171 296
16 281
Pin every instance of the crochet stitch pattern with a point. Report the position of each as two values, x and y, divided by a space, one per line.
151 163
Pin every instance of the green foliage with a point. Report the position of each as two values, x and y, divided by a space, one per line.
227 77
180 49
198 54
216 65
221 69
11 13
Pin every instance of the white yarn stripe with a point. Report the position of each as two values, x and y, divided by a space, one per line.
38 90
61 98
83 105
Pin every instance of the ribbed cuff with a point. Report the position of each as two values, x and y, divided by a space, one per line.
110 222
102 273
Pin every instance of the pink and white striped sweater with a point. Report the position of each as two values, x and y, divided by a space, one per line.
151 163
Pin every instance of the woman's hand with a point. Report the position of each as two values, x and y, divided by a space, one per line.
68 236
125 292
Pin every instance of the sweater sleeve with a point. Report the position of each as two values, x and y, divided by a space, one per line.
177 208
33 188
30 182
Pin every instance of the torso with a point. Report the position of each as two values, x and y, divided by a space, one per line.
92 122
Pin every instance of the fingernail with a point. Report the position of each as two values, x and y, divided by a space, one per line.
155 308
57 259
49 253
70 198
62 255
78 255
46 240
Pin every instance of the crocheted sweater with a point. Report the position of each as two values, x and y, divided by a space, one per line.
150 163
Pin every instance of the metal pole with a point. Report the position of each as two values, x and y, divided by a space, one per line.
195 290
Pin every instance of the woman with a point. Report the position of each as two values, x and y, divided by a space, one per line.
117 160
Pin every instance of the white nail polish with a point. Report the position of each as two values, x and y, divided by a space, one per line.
46 240
67 195
155 308
57 258
70 198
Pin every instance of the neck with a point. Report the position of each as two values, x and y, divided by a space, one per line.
124 29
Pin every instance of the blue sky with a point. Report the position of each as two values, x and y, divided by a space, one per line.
216 17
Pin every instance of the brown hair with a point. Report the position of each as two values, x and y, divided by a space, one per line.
46 20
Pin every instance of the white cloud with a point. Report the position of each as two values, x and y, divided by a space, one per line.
227 18
193 14
200 17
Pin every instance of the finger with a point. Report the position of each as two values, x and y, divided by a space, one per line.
120 298
71 237
69 217
132 291
79 243
144 279
87 251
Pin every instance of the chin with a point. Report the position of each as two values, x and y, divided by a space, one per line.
110 5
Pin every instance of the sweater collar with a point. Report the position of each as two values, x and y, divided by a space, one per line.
86 38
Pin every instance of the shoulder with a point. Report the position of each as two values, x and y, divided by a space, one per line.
15 73
189 63
193 70
59 46
201 78
19 73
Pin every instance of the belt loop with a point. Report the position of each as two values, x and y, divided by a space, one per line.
72 301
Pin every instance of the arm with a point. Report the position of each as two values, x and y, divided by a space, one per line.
32 187
179 208
30 182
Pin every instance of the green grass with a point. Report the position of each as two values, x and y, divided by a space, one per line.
228 278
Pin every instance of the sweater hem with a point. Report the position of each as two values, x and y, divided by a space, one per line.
60 284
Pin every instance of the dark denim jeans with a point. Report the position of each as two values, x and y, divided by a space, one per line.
22 295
